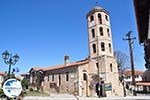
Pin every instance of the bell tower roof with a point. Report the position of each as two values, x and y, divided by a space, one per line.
96 9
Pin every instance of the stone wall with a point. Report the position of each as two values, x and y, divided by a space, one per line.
55 80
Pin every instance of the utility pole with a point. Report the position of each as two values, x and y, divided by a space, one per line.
130 41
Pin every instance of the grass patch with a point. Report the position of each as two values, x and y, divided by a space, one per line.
36 93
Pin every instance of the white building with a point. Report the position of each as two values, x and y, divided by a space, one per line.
138 79
128 76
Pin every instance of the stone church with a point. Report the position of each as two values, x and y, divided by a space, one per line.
95 75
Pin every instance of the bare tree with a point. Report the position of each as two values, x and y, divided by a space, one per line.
122 64
122 61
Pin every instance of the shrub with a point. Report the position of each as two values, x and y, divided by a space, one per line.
30 89
2 95
1 91
25 83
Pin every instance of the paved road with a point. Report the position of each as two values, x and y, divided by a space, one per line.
73 98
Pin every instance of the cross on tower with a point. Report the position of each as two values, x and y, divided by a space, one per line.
97 2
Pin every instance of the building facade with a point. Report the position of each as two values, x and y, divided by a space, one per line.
128 76
95 75
1 78
25 76
138 79
142 13
145 83
102 59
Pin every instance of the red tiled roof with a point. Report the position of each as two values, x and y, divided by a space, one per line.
143 84
62 66
137 72
2 73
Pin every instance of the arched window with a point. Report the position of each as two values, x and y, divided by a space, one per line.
97 65
106 17
91 18
101 31
102 46
93 33
109 47
48 77
84 76
94 48
111 69
108 32
99 18
52 77
59 77
67 76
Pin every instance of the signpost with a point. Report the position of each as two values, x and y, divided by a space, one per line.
108 87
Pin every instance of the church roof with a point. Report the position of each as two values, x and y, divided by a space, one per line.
72 64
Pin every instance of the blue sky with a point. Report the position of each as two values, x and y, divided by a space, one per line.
43 31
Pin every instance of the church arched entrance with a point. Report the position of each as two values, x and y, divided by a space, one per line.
100 89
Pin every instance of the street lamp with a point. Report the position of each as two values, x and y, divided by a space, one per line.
10 60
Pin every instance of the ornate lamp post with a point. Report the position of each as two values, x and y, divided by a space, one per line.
10 60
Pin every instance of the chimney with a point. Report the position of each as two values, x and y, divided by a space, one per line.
66 59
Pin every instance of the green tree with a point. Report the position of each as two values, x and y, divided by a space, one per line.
39 79
25 83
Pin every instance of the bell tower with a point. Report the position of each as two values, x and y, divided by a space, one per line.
99 33
100 41
102 61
